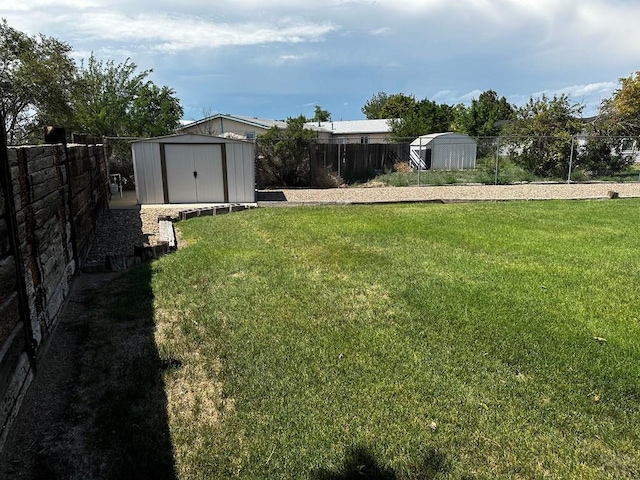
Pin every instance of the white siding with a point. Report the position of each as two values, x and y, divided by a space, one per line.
186 154
453 154
448 151
194 173
147 173
241 173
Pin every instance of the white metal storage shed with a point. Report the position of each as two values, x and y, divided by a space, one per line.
443 151
194 168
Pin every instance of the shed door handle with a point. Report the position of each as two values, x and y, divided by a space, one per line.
195 174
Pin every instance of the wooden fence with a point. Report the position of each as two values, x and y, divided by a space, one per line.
355 161
51 200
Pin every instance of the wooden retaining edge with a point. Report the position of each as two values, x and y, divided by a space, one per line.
168 241
217 210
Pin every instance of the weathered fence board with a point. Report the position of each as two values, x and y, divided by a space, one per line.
355 161
51 200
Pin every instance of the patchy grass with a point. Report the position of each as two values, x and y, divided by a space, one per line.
416 341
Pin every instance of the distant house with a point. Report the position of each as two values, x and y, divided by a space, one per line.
249 128
628 147
233 126
352 131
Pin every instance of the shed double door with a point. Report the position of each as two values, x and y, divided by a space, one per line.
195 173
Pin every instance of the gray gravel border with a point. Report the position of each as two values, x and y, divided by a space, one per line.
530 191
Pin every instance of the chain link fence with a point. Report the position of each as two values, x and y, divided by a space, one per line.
455 159
120 159
443 159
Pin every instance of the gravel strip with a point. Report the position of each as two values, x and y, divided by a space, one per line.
117 233
120 230
461 193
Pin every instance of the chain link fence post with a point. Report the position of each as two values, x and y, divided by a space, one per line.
571 159
495 180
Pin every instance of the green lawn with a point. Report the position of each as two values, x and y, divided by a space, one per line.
495 340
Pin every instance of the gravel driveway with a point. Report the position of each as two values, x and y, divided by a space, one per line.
530 191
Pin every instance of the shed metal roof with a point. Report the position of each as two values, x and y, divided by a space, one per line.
451 136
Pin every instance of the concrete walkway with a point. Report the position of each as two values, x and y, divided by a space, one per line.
127 201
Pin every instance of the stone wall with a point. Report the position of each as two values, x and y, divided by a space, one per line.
49 211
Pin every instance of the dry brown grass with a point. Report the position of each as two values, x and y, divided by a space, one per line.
402 167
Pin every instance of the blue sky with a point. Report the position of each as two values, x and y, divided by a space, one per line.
280 58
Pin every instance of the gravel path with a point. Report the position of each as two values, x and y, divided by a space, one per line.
121 229
461 193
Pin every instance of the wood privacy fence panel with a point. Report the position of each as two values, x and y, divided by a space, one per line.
354 161
50 206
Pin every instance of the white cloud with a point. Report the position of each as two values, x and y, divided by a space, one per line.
356 47
172 33
383 31
453 97
591 89
28 5
289 58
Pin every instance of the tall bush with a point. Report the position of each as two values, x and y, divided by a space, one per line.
541 136
283 155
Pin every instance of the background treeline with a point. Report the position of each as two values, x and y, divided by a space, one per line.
547 138
40 85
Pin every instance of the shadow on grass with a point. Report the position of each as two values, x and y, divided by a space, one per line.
117 425
360 463
123 383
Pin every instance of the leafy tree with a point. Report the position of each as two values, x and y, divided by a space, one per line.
115 100
382 106
321 115
461 119
283 155
155 111
398 105
36 81
622 110
540 137
602 155
480 119
617 124
425 117
373 108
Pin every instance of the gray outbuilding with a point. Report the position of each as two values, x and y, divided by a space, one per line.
194 168
443 151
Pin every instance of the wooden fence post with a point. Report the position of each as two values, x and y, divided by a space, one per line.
14 245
